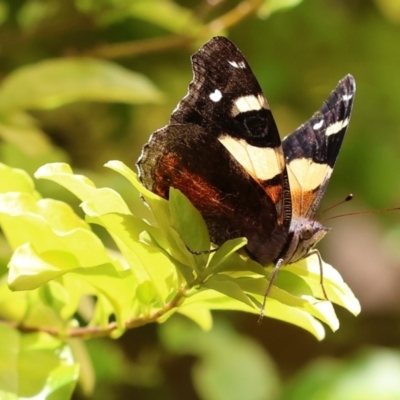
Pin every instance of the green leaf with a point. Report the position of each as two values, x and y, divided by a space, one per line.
25 220
229 287
322 310
270 6
252 376
20 376
125 230
29 270
57 371
337 290
55 295
15 180
390 9
9 347
371 374
106 207
27 307
95 201
4 11
295 316
53 83
33 13
20 129
172 243
164 13
199 314
229 261
189 223
87 377
125 171
114 291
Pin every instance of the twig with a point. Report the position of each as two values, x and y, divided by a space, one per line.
86 332
139 47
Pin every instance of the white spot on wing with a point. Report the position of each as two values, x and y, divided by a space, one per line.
241 64
318 125
336 127
216 96
261 163
249 103
347 97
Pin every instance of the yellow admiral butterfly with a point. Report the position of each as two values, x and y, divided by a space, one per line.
222 149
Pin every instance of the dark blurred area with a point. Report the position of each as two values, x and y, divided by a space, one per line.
298 55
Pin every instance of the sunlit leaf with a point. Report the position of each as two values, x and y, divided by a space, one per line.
337 290
189 224
52 83
172 242
371 374
270 6
21 130
96 201
228 286
3 11
164 13
9 347
224 252
390 9
32 13
15 180
20 376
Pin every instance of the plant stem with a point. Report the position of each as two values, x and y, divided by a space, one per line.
87 332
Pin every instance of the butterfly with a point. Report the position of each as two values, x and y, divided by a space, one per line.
222 149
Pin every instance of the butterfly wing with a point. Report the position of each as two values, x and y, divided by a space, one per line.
222 150
312 149
233 204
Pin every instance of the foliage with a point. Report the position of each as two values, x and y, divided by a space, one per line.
56 253
54 242
58 260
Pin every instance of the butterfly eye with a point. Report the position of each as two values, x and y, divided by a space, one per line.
307 232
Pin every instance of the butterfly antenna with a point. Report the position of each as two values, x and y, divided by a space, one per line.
362 212
348 198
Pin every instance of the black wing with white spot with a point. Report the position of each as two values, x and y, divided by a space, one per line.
225 98
312 149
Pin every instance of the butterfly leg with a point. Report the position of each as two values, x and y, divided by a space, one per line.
321 271
268 289
199 253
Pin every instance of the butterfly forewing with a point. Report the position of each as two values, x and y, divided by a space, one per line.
312 149
225 98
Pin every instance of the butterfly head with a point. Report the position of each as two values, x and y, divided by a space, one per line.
305 233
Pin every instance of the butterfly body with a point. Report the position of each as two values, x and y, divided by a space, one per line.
223 151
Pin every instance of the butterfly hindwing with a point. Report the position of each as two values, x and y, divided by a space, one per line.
233 204
312 149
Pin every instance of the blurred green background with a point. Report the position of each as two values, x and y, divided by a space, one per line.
298 50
